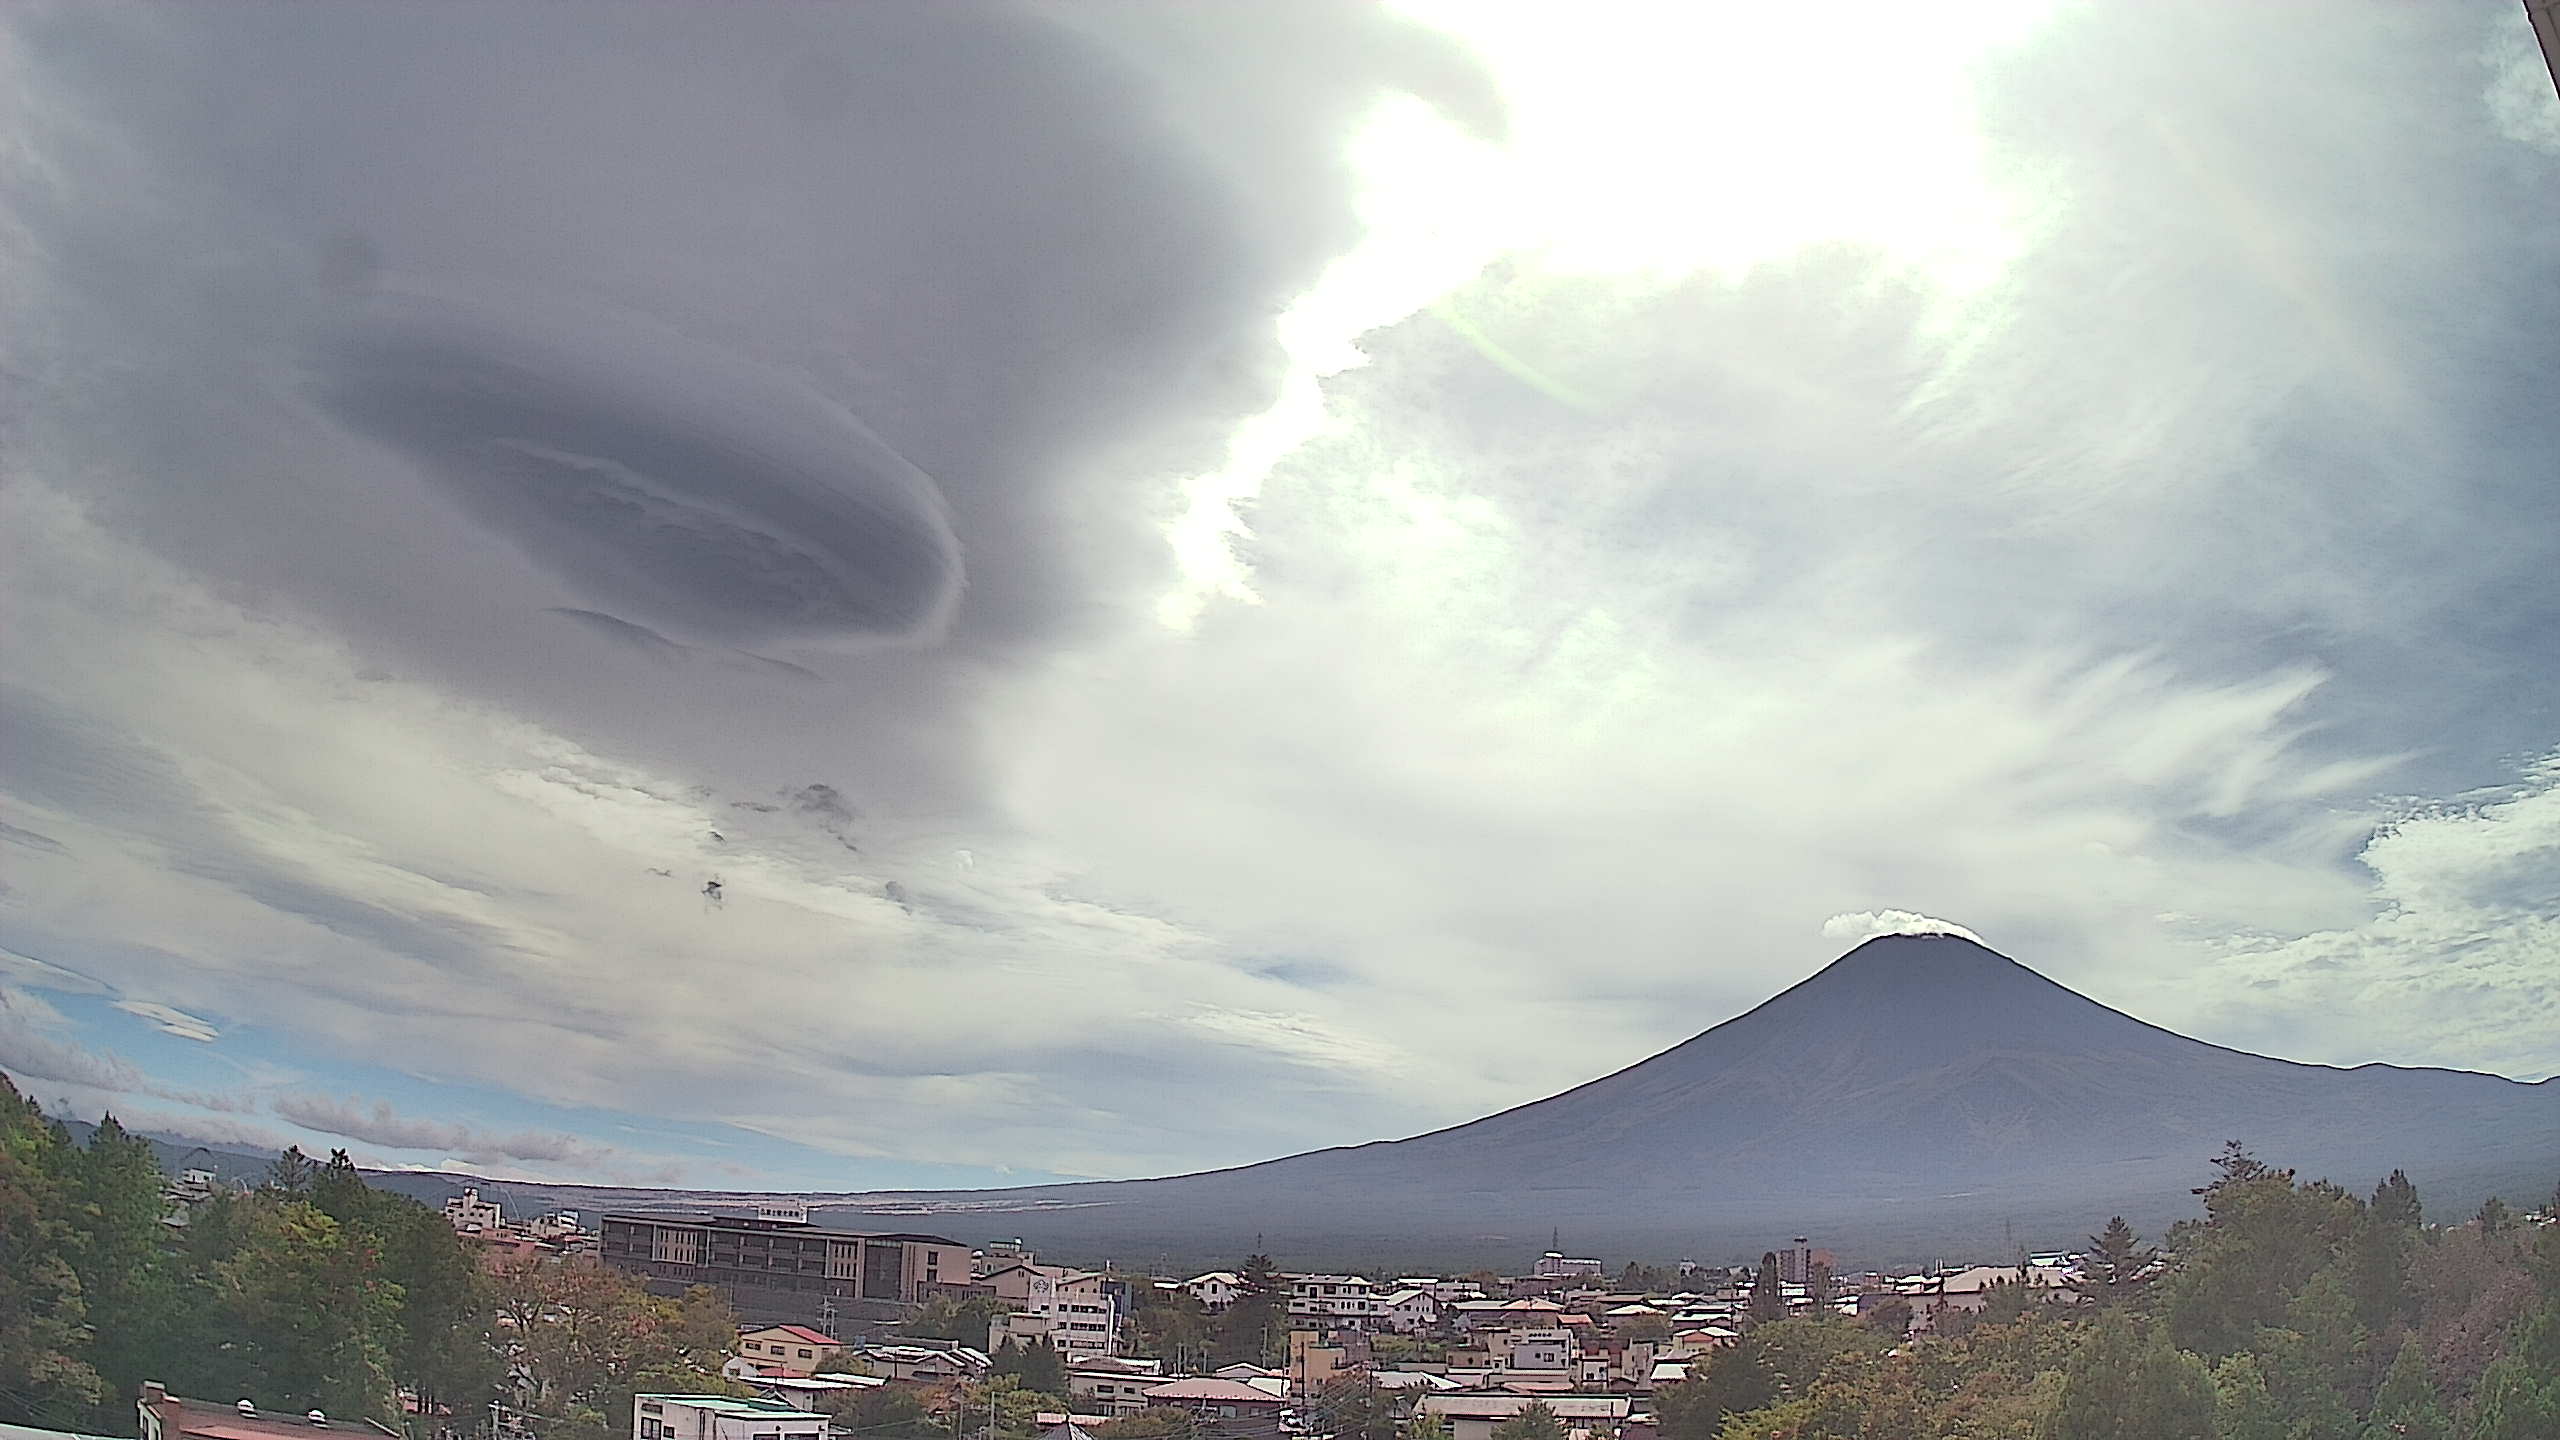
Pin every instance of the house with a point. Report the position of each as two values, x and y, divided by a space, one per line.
721 1417
1334 1297
1216 1290
1229 1406
1114 1386
1503 1314
1408 1311
1473 1416
786 1349
1970 1289
1540 1349
163 1416
926 1364
1071 1307
810 1392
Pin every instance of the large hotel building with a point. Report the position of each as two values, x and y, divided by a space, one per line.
778 1265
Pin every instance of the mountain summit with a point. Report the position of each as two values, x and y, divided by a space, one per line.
1920 1091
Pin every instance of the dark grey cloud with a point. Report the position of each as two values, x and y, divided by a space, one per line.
665 480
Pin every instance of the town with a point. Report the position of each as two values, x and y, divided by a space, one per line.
830 1314
204 1308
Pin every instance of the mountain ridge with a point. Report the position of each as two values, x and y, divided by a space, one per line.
1917 1093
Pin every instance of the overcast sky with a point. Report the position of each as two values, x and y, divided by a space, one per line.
1213 580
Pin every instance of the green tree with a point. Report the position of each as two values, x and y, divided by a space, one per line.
965 1321
1889 1317
45 1376
1157 1422
118 1249
2395 1202
1797 1352
1426 1426
2493 1216
1036 1363
1734 1380
2116 1267
2128 1383
1172 1326
1537 1420
1645 1327
1001 1405
1354 1407
583 1339
1768 1298
339 1192
2407 1404
292 1172
2519 1395
1254 1329
2243 1408
883 1412
313 1312
442 1351
2262 1240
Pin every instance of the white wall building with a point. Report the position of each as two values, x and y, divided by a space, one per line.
1216 1290
471 1215
1068 1306
721 1417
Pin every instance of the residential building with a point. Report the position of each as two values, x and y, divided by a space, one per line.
1539 1349
1112 1385
721 1417
1346 1299
787 1349
1229 1406
1473 1416
1556 1265
1216 1290
1408 1312
1073 1308
471 1215
1970 1289
163 1416
810 1392
926 1364
783 1269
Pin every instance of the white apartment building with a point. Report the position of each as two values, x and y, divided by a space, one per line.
1351 1298
1556 1265
721 1417
1068 1306
470 1215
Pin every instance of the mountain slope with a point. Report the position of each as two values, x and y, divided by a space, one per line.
1921 1095
1919 1091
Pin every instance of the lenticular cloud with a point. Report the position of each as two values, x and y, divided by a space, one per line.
672 484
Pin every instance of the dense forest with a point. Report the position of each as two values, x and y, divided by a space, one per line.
313 1291
2287 1310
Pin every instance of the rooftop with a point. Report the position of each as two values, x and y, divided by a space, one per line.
739 1406
759 1223
1211 1388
